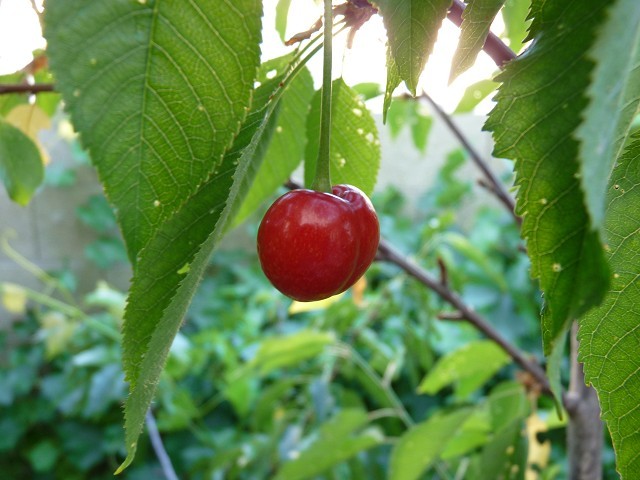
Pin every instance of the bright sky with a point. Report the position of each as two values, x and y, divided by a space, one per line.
20 35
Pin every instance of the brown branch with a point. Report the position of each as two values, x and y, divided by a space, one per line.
463 312
158 447
584 429
492 182
493 46
26 88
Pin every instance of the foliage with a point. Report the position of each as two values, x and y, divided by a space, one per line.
252 389
185 123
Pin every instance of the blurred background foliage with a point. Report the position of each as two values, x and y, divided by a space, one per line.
258 386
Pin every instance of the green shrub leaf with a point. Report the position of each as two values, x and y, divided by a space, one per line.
539 106
474 94
412 27
171 266
339 439
470 367
21 169
355 148
608 334
157 91
614 97
476 22
422 444
290 350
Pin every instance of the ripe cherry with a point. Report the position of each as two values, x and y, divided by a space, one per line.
313 245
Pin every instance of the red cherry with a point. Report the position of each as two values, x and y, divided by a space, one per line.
313 245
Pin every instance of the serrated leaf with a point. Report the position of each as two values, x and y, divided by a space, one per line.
609 336
475 363
339 439
514 14
286 150
474 94
171 266
412 28
393 80
355 148
614 96
21 169
477 18
157 91
539 106
421 445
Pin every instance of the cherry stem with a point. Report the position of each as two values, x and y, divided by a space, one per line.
322 180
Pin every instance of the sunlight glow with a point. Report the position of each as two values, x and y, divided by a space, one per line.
20 34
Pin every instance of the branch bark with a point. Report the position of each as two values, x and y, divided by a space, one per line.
158 447
585 429
26 88
494 185
463 312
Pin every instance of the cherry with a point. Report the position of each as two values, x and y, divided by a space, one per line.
313 245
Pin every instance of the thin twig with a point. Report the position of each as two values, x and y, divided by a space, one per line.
493 46
387 253
26 88
492 182
158 447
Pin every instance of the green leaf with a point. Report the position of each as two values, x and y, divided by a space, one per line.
614 96
290 350
282 14
367 90
508 403
286 149
421 445
171 266
157 91
339 439
505 457
514 14
355 148
465 247
393 80
21 169
474 364
477 18
608 334
420 128
474 94
473 433
539 106
9 101
412 27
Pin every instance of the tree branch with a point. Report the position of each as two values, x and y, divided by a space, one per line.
493 46
26 88
158 447
584 430
493 183
387 253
